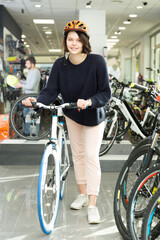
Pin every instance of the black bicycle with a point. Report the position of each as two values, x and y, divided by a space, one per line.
146 154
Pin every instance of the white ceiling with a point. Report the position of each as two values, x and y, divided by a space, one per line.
63 11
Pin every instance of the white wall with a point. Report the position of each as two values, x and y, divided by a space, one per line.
96 22
145 56
125 53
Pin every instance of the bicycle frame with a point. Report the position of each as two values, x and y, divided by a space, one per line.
135 126
57 139
147 113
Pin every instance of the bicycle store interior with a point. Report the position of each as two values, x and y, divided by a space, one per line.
127 34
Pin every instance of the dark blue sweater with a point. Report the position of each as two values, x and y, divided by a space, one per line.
88 79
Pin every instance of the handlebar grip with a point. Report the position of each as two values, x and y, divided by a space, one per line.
139 87
33 105
73 104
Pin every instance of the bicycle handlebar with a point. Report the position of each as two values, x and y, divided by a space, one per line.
52 107
139 87
112 78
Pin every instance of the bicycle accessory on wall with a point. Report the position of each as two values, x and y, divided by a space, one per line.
12 80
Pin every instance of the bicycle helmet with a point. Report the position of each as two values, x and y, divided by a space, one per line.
76 25
12 80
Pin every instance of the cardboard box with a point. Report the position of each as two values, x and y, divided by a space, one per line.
4 126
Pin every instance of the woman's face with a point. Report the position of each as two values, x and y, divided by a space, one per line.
74 44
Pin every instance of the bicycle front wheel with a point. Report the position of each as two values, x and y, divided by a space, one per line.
27 123
48 194
151 220
143 190
131 170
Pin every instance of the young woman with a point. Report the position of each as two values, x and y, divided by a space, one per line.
83 78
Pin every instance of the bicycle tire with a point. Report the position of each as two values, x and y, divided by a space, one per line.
48 192
123 187
110 132
17 115
143 190
151 220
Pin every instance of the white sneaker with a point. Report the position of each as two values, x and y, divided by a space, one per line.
93 215
80 202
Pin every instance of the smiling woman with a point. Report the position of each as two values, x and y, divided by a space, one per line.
82 78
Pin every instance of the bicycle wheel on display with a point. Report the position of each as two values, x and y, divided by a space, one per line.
110 131
130 172
27 123
143 190
48 194
151 220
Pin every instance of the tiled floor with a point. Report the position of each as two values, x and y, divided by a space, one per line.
18 208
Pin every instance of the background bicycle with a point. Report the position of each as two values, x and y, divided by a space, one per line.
120 117
145 154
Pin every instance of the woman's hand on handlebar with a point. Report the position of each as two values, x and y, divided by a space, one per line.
83 104
29 101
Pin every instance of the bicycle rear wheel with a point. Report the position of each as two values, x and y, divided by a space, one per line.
38 124
48 193
151 220
110 131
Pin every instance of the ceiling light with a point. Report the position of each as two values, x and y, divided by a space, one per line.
23 36
54 50
114 37
48 32
139 7
38 6
112 40
27 45
121 28
111 44
117 33
43 21
127 22
132 15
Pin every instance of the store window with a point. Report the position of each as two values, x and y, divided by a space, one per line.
136 51
155 57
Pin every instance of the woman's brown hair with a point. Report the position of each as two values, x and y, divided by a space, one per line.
83 38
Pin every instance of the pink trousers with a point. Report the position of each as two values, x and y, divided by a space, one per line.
85 144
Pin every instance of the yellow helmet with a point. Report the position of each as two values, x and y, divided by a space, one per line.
12 80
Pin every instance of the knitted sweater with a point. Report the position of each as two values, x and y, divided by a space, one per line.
87 80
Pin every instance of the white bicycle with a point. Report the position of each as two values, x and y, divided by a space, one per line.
53 169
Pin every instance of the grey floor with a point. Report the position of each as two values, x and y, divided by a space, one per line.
18 208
